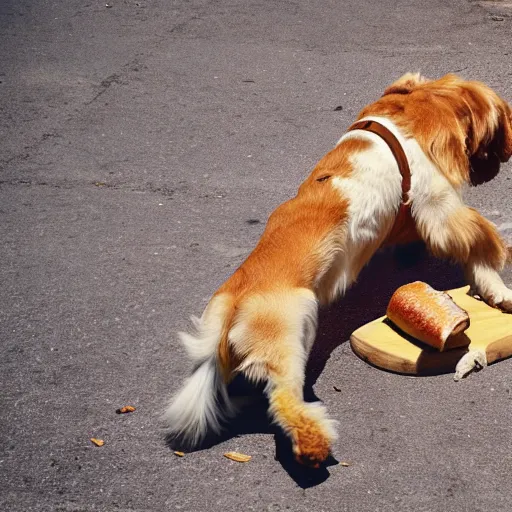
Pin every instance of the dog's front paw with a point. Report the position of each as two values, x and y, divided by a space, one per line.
474 360
506 304
502 300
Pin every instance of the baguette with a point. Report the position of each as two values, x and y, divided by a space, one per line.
429 315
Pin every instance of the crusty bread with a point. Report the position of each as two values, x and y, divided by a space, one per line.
429 315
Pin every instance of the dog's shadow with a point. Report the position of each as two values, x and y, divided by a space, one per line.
368 298
365 301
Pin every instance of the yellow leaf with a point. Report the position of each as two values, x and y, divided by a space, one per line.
179 454
125 409
345 464
97 442
238 457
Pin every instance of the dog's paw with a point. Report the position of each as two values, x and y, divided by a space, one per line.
311 449
502 300
506 305
474 360
313 436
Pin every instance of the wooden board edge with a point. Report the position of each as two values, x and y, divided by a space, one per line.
382 361
428 363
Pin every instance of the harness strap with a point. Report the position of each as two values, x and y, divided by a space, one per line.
398 152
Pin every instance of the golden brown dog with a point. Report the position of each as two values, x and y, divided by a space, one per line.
262 320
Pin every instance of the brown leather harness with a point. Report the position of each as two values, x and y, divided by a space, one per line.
396 148
404 213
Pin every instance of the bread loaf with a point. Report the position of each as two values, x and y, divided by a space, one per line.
429 315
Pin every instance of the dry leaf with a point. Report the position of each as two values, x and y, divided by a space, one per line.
97 442
238 457
345 464
125 409
179 454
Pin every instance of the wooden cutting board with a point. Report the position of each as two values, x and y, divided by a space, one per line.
382 345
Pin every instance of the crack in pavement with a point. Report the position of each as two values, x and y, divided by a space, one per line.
132 66
105 84
163 190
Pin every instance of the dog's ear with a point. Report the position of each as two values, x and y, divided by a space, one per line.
447 149
485 162
405 84
487 122
503 139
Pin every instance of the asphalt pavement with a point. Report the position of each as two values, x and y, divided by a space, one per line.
143 146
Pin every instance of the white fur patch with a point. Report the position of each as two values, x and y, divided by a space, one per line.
296 312
318 412
374 193
204 342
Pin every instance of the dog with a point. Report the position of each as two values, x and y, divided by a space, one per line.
262 321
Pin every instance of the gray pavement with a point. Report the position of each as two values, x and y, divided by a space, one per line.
143 147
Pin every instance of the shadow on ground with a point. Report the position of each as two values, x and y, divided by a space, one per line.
253 419
368 298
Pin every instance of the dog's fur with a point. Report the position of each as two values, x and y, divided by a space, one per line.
262 320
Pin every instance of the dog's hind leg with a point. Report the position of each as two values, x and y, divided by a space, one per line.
272 337
306 424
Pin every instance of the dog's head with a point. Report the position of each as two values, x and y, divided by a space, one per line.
493 143
464 126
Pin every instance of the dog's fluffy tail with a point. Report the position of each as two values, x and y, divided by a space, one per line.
202 403
195 409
